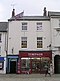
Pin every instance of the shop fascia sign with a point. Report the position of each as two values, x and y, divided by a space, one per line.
35 54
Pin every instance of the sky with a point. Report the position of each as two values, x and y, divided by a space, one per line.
30 7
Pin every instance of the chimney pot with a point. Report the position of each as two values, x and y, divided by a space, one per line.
13 13
45 12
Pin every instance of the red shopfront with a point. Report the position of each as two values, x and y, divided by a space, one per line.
33 62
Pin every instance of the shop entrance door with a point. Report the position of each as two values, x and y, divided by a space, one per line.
12 66
35 66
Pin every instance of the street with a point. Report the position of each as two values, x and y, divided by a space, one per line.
30 77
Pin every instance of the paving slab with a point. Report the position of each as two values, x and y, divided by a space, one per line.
30 77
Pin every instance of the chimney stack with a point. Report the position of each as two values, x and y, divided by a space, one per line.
45 12
13 13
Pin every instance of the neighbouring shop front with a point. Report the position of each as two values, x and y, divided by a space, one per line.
2 65
33 61
12 61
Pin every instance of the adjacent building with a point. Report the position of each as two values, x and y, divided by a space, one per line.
3 46
55 39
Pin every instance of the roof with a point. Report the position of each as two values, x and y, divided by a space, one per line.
53 13
3 26
30 18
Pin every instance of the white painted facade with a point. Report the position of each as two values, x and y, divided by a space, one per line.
49 34
55 37
3 44
15 33
3 47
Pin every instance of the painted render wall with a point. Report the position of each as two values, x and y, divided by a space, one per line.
55 38
3 44
15 33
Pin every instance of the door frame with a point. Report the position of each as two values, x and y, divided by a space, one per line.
12 60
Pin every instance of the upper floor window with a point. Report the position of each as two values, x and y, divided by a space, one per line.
0 49
24 26
39 26
39 42
23 42
59 22
0 37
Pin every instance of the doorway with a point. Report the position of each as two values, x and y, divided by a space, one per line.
13 67
36 66
57 64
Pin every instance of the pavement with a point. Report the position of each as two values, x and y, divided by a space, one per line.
29 77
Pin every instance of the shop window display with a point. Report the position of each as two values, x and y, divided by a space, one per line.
38 64
25 64
1 65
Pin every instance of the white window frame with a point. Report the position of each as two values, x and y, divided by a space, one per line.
39 42
24 26
59 22
0 38
0 49
23 42
39 26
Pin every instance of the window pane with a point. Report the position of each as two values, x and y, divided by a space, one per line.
0 49
59 22
0 37
24 26
39 42
24 23
39 26
25 64
23 42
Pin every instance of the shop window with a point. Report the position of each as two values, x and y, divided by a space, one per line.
23 42
24 26
1 65
25 64
44 63
39 42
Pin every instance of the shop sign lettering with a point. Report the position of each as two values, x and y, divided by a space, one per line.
35 54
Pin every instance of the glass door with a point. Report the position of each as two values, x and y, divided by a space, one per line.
36 65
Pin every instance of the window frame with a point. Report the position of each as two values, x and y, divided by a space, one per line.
0 38
59 22
39 42
0 49
24 26
39 26
23 42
